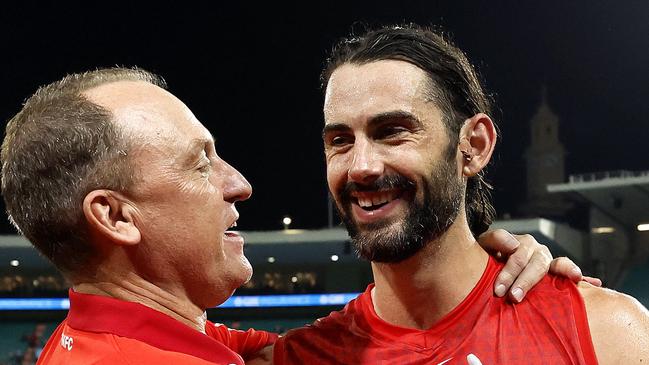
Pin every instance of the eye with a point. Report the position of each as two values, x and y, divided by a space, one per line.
390 131
205 169
340 140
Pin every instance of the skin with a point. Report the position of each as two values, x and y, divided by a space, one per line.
355 151
360 147
619 326
166 242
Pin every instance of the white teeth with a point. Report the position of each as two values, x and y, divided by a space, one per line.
380 198
233 225
364 202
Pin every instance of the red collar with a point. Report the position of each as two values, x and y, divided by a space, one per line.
462 313
99 314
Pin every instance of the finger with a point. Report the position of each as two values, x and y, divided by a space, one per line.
513 267
593 281
532 274
563 266
498 240
473 360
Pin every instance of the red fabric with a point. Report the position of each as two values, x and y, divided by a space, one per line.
104 330
245 343
548 327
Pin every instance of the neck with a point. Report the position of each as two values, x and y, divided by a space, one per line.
133 288
419 291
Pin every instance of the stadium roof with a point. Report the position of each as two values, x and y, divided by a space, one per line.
623 196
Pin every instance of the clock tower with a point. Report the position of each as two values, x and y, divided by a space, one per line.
545 164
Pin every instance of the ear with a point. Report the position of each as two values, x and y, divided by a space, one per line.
477 141
109 215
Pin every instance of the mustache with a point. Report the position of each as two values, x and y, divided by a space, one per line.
383 183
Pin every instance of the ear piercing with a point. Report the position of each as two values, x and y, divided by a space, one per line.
467 156
465 147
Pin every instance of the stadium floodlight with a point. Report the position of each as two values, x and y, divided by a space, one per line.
643 227
271 259
14 263
287 221
334 258
603 230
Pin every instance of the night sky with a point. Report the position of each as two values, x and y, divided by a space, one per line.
250 74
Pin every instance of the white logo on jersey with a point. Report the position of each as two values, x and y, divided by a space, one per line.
473 360
66 342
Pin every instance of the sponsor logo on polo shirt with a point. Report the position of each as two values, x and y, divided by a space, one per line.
66 341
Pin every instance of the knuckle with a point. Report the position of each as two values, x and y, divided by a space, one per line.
567 261
542 255
528 237
497 234
518 262
524 283
505 278
541 266
526 251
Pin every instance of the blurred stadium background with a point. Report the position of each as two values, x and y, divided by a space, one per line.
301 275
600 220
594 68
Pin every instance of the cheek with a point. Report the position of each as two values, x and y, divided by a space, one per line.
336 176
198 186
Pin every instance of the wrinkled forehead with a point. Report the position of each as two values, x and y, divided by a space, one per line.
144 109
354 90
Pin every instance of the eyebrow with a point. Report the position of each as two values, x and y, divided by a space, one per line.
198 143
375 121
334 127
195 146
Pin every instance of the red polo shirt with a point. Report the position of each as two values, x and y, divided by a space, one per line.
104 330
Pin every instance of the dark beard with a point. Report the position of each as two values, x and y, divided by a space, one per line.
426 220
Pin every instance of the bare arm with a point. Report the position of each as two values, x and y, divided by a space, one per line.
619 326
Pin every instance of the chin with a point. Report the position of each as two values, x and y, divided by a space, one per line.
249 274
243 272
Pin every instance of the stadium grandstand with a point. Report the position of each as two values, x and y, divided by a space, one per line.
301 275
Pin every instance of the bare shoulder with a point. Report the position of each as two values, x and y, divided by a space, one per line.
619 325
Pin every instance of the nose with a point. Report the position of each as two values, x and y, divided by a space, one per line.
236 187
366 164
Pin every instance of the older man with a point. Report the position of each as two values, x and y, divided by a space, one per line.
118 184
407 134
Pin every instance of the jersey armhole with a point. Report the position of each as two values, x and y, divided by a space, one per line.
278 351
583 329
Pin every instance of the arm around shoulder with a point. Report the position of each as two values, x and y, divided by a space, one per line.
264 357
619 326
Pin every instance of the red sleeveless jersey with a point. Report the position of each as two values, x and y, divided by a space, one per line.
548 327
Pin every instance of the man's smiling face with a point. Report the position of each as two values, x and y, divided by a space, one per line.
390 168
